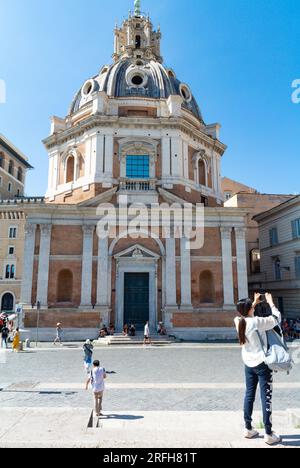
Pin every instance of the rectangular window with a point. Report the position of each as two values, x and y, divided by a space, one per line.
138 167
296 228
9 188
273 237
12 233
277 269
11 250
297 266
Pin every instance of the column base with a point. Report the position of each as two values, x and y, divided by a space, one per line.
229 307
186 307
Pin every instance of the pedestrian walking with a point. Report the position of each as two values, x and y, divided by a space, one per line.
4 336
16 341
96 379
59 333
88 349
256 371
147 335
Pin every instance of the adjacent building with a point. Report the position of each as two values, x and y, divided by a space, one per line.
279 243
240 196
13 167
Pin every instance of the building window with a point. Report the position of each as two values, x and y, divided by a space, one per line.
11 250
0 181
1 160
277 269
70 169
20 174
10 271
9 188
202 173
255 261
138 167
296 228
228 195
7 303
297 266
12 234
138 42
11 167
273 237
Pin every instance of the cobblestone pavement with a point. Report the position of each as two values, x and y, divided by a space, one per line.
40 378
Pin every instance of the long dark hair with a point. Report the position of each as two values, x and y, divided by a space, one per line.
243 307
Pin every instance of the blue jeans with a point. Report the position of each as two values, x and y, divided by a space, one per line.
263 376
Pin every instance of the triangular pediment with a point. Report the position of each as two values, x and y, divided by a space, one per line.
137 252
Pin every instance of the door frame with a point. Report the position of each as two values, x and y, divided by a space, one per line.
133 265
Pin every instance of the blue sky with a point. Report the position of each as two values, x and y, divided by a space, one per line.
239 57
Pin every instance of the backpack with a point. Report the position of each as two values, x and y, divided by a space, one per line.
277 355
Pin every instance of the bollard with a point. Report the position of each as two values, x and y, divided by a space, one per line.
27 343
21 346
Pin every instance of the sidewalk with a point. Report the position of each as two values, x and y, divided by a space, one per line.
66 427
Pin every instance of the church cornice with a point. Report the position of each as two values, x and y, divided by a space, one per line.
162 123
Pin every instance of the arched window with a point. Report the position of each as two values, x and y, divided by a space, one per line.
11 167
202 172
7 303
255 261
10 271
65 286
20 174
70 173
207 288
138 42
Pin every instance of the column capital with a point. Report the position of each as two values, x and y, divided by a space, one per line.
30 229
226 232
240 232
88 229
46 229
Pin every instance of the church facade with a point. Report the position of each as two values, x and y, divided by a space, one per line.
135 140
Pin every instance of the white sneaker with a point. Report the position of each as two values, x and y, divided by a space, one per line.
250 434
272 439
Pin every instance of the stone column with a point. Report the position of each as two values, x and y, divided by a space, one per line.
241 258
87 266
28 258
227 266
102 277
186 281
44 261
170 273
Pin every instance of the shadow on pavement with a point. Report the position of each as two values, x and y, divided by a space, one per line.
125 417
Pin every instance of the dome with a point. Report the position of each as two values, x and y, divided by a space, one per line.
131 77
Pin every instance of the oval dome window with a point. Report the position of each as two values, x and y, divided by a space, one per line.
137 80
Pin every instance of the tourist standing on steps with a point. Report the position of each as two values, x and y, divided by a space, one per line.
97 377
88 349
59 333
256 371
147 335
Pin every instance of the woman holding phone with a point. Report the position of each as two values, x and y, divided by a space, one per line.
256 371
